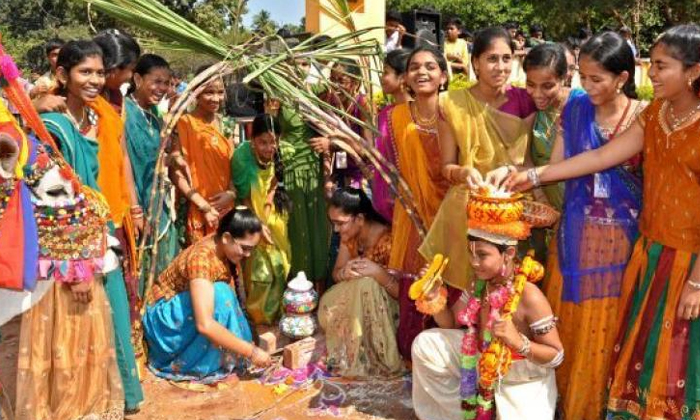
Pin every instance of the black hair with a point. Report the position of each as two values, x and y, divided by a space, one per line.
501 248
145 65
485 37
393 15
239 222
53 44
613 53
572 43
266 123
552 56
683 43
320 39
511 25
350 66
456 22
75 52
439 58
584 33
536 28
520 33
120 49
464 33
397 60
354 201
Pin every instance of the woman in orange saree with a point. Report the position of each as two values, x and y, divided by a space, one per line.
207 153
413 140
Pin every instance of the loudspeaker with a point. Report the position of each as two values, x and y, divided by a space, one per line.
423 28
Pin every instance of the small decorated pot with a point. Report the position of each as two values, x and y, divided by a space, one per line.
297 326
300 296
296 302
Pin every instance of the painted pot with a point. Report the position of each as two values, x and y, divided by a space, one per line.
298 326
296 302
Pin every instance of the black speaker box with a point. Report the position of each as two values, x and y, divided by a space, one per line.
423 27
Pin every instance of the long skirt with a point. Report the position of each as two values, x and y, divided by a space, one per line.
359 319
178 352
265 273
587 328
67 368
126 359
656 368
528 391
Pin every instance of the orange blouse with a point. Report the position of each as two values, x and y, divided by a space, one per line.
208 153
199 261
380 252
671 201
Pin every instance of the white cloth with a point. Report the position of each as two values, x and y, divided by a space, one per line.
17 302
528 392
392 42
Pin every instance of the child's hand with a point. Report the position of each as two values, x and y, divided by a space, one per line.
506 331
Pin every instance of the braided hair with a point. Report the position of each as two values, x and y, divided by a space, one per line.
266 123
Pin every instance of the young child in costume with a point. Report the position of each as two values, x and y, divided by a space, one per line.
495 352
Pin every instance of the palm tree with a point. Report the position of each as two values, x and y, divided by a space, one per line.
262 23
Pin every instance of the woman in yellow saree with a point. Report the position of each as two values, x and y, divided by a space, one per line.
257 172
412 139
483 127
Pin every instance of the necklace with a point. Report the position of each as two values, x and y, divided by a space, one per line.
147 115
677 122
77 123
610 134
428 126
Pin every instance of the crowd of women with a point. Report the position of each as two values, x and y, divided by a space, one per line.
609 334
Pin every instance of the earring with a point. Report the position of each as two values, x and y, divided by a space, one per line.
690 83
619 89
503 270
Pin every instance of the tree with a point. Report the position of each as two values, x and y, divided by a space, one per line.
263 23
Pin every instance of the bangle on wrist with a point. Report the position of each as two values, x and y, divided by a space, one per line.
205 208
525 348
533 177
189 194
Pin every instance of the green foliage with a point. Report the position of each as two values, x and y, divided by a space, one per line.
262 23
474 13
645 93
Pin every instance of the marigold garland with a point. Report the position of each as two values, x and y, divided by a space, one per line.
481 372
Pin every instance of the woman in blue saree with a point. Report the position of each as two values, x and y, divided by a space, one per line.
194 325
142 132
598 225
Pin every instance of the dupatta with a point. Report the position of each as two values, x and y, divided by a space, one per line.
611 198
486 138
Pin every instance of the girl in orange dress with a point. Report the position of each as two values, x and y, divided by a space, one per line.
655 368
206 180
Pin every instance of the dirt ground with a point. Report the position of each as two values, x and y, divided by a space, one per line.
249 399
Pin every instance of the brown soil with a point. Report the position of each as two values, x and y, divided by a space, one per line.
247 399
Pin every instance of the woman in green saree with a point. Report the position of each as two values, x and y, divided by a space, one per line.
81 75
256 171
142 132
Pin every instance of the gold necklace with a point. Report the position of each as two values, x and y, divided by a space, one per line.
677 122
428 122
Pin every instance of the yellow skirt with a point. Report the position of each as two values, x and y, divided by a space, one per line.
359 319
587 329
67 366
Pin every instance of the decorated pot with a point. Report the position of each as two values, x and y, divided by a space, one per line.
298 326
296 302
490 209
